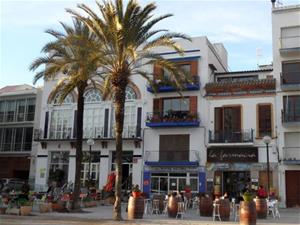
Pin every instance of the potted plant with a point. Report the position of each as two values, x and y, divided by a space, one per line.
248 210
3 207
25 207
136 192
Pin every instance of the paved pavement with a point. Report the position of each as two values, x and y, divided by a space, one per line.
103 214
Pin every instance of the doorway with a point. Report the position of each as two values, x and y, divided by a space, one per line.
235 182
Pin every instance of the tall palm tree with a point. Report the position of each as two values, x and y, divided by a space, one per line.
128 41
72 59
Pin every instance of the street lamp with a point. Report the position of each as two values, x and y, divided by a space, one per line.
90 142
267 140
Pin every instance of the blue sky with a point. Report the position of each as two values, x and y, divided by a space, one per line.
242 25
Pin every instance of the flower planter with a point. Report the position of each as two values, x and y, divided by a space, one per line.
172 206
247 213
90 204
136 194
45 207
57 206
3 210
136 208
206 206
13 211
261 208
25 210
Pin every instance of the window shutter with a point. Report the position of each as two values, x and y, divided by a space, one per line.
106 117
46 125
264 120
138 122
157 105
194 68
193 104
75 124
158 72
218 119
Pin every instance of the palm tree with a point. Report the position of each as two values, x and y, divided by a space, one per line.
128 41
72 59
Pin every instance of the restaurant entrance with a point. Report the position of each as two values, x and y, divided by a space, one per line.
235 182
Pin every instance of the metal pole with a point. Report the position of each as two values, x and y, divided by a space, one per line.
268 169
90 158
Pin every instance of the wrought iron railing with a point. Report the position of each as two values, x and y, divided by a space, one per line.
242 136
171 116
290 117
291 153
289 78
172 156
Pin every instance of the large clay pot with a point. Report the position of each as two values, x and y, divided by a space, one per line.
25 210
172 206
224 209
247 213
261 208
206 206
136 208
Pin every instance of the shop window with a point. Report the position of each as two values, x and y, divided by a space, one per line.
264 120
59 167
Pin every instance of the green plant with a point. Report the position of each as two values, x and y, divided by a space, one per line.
248 197
136 188
24 202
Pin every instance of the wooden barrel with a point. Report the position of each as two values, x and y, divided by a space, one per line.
224 209
206 206
161 199
261 208
172 206
247 213
135 208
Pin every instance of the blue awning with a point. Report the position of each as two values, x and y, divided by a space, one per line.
164 163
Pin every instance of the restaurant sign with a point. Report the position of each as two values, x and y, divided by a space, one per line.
232 155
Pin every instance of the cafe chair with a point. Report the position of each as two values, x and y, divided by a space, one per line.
155 206
216 212
181 210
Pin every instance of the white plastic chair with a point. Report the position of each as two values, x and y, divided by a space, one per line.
216 212
236 212
181 210
273 207
155 206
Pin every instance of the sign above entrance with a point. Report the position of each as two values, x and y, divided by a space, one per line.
232 155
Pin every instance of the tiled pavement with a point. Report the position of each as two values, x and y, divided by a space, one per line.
103 214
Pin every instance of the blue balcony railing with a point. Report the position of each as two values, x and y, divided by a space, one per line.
169 86
172 119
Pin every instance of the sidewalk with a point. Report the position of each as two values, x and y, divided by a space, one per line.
103 215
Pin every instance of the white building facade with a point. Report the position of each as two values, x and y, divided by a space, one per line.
286 60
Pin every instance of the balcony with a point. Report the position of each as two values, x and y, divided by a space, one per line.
172 119
231 137
291 155
290 81
289 45
177 158
290 118
169 86
237 88
97 133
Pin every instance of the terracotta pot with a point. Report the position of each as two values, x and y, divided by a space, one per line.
172 206
25 210
57 206
224 209
161 202
45 207
136 208
90 204
247 213
261 208
206 206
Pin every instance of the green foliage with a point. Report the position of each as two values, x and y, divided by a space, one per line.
248 197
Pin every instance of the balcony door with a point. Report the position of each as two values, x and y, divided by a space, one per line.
174 147
291 72
291 105
228 123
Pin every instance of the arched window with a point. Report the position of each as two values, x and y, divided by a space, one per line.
68 99
130 94
92 95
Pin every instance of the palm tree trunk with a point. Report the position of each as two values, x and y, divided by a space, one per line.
119 117
79 134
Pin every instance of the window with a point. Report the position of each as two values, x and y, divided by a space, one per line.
92 95
11 109
16 139
237 79
94 171
130 94
61 125
21 104
264 120
228 118
93 122
291 108
30 109
68 99
176 105
290 37
186 67
174 147
2 111
291 72
59 167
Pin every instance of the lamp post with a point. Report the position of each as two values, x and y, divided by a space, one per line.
267 140
90 142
